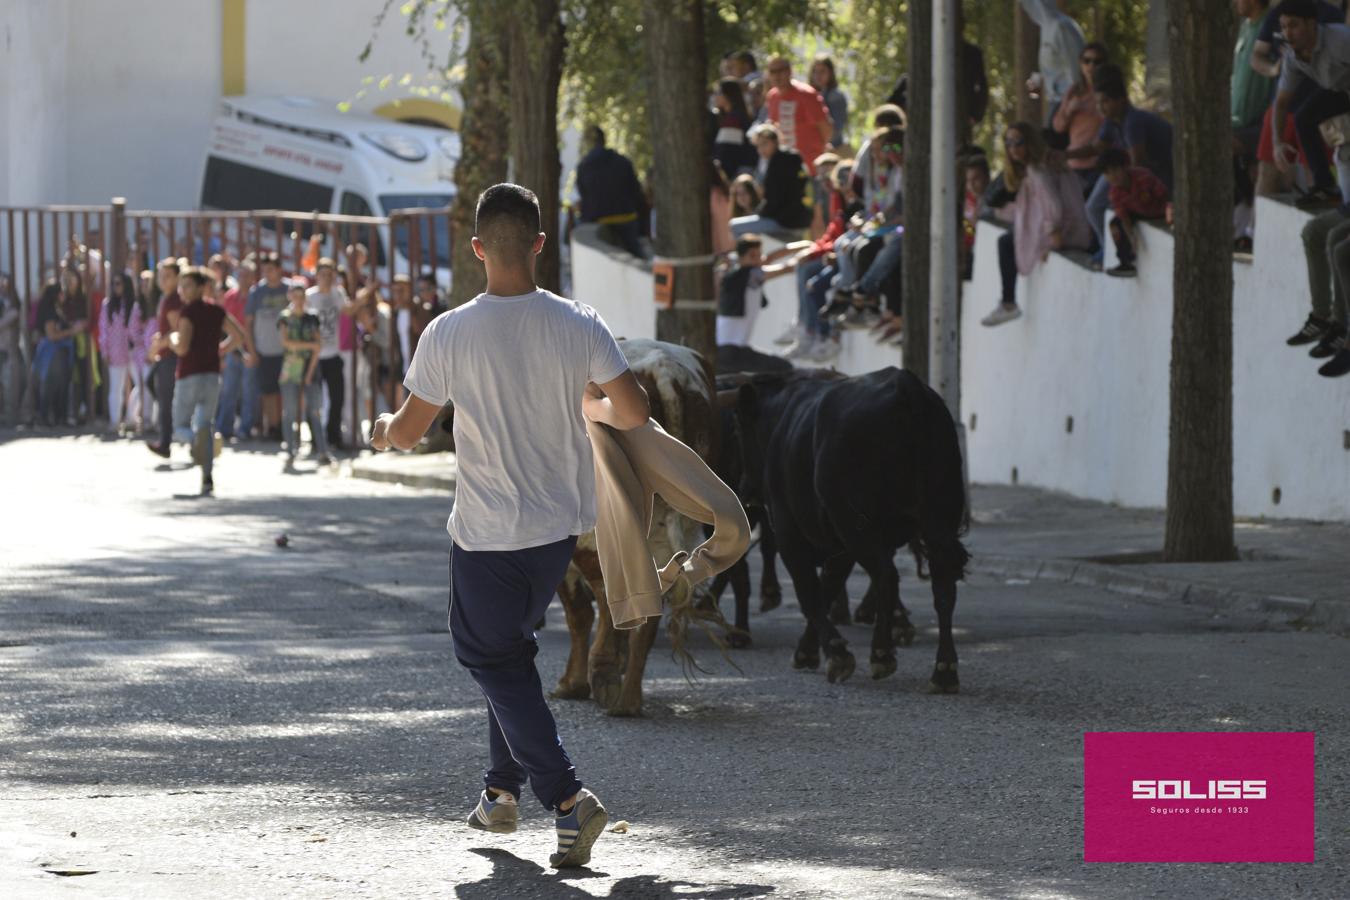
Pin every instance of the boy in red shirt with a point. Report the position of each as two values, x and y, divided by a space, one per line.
1136 193
801 114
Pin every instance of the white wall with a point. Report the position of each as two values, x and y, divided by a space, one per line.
1098 349
100 97
621 290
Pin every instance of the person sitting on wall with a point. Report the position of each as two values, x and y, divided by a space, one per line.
1136 193
610 193
786 203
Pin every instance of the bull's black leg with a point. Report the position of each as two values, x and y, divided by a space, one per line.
739 576
809 595
885 591
944 680
770 592
834 587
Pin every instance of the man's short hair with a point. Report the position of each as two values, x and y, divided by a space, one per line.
197 276
325 263
507 219
429 278
595 135
1113 158
170 264
269 258
978 161
1110 80
780 62
747 242
1297 9
745 56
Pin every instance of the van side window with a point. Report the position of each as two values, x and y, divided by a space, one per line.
235 186
356 205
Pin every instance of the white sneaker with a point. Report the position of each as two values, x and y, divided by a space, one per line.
499 816
801 349
791 335
1001 314
825 350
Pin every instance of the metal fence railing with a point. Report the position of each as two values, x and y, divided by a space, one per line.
38 243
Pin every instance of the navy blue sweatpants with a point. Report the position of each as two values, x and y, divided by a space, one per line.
496 597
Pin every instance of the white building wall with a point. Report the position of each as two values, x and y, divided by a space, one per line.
101 98
1099 349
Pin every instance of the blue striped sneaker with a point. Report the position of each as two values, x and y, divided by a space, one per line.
578 830
498 815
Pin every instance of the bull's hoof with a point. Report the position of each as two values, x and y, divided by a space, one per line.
840 668
738 639
839 612
770 598
606 687
802 660
866 614
944 680
625 710
883 665
902 630
566 690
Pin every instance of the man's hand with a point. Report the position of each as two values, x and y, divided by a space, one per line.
379 434
1284 156
250 359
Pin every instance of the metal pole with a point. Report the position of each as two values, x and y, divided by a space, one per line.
944 335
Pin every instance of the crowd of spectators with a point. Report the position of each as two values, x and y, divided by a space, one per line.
299 330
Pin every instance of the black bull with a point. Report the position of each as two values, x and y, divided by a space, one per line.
850 470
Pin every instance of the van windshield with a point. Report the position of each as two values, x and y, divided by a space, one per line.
439 242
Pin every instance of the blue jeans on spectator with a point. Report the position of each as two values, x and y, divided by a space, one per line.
807 315
844 258
812 295
290 415
496 597
194 409
1321 105
886 262
250 405
754 225
231 386
1098 202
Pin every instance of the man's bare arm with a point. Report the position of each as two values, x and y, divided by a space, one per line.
621 403
403 429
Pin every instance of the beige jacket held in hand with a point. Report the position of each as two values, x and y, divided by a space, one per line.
632 467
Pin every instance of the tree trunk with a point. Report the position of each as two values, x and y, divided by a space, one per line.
1026 59
1200 440
535 41
918 173
677 86
1157 59
484 133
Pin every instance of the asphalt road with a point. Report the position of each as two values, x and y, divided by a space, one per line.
188 710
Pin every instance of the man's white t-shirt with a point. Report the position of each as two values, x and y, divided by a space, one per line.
327 305
516 369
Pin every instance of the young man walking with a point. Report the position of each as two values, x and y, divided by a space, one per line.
197 343
525 369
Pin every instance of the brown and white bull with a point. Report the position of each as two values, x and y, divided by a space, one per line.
679 385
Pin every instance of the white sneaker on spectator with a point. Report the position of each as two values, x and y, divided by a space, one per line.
801 348
1001 314
791 335
825 350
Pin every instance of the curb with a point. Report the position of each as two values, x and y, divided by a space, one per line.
1293 610
386 469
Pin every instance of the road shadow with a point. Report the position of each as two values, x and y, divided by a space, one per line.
516 877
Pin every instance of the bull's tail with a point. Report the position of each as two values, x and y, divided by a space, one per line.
944 508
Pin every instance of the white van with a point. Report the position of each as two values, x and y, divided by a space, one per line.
299 153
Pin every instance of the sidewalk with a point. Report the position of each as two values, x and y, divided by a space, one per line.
1295 572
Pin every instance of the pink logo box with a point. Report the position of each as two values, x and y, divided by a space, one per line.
1198 796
